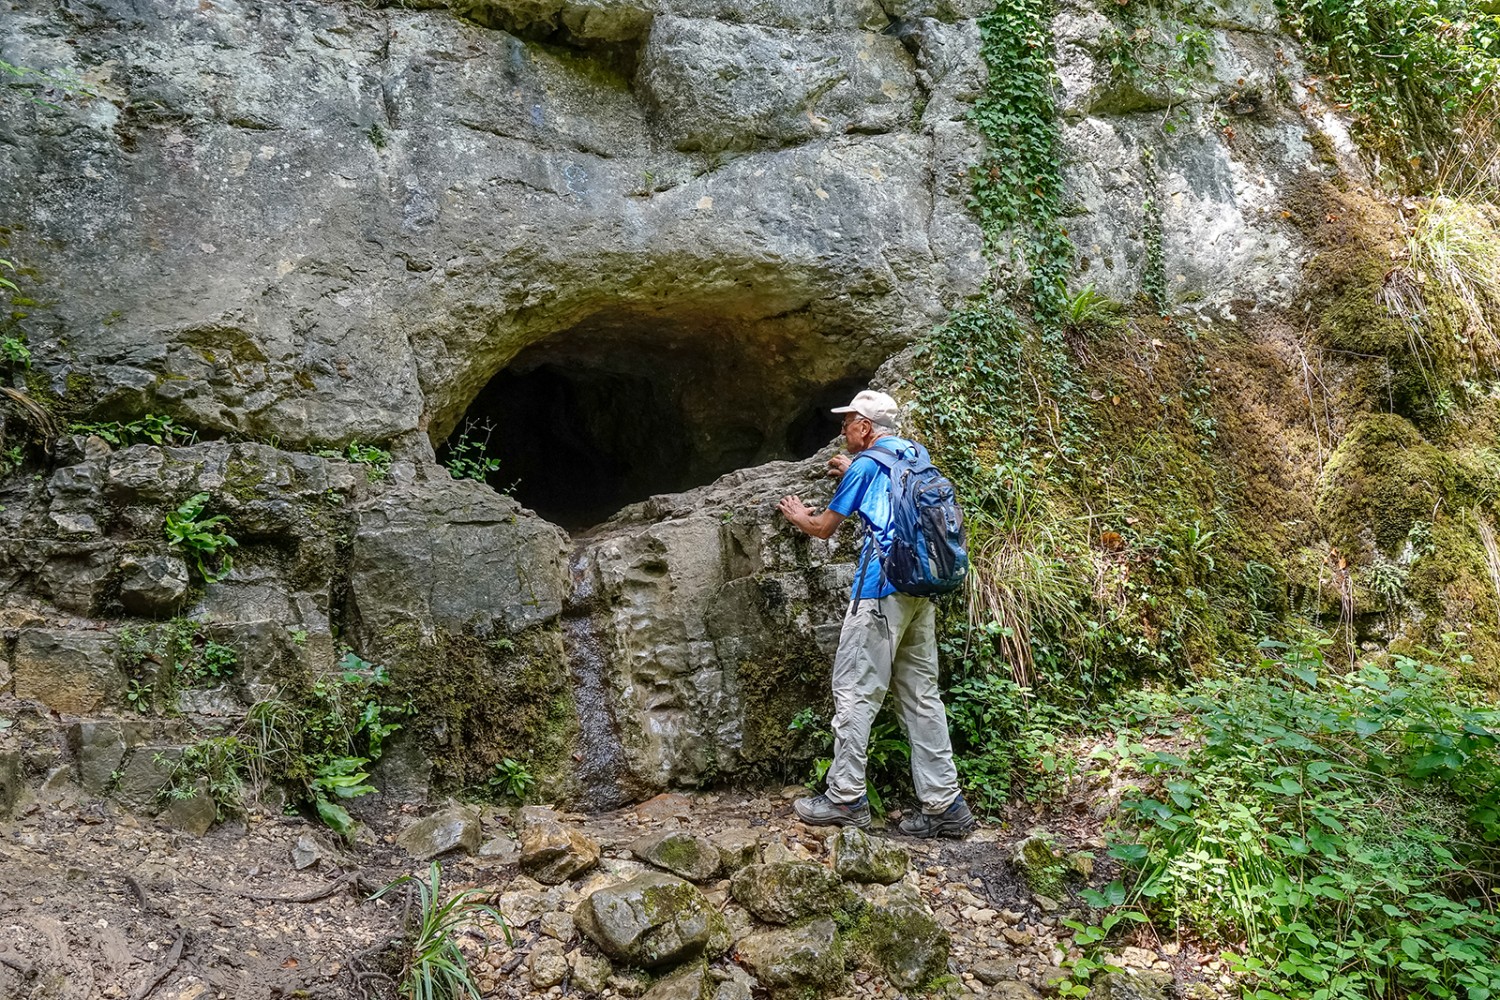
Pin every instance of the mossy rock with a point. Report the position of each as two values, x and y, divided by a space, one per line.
897 936
680 853
784 892
1382 478
1043 868
653 920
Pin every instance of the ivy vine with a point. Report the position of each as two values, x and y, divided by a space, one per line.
1017 184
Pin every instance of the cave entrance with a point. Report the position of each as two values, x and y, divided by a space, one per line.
614 411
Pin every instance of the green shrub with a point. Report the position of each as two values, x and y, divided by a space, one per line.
321 746
1344 827
467 456
163 659
1419 77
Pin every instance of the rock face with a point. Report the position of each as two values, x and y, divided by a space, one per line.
650 921
707 223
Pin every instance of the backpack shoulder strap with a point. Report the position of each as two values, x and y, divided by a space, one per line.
885 459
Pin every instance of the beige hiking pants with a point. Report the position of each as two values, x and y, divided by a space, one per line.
890 643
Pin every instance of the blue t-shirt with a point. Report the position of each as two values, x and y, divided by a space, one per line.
866 488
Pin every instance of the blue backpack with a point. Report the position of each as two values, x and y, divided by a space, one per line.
929 550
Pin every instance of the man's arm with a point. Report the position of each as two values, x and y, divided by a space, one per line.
817 525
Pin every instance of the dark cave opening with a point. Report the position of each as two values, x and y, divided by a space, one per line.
605 415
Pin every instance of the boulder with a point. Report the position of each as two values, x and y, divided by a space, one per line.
733 983
794 958
552 851
194 813
452 828
898 936
650 921
680 853
784 892
858 857
738 847
1041 865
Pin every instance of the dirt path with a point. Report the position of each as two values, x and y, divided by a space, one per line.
95 902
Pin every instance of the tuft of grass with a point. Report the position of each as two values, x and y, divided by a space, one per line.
1454 242
435 967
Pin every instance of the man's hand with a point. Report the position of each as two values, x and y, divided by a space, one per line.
837 466
818 525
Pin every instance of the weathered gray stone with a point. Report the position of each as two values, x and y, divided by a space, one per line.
1041 865
98 749
12 787
306 852
900 938
548 964
728 86
797 957
559 926
590 972
1011 990
784 892
679 852
734 983
71 672
452 828
144 775
501 850
552 851
152 584
996 971
690 982
1144 985
738 847
194 813
858 857
649 921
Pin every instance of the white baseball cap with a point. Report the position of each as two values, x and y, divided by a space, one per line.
876 407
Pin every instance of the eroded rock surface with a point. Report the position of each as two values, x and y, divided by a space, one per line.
650 921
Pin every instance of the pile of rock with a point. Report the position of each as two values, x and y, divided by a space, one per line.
713 917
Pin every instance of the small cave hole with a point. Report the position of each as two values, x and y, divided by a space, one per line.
605 415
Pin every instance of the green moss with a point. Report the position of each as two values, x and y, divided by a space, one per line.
478 703
1382 477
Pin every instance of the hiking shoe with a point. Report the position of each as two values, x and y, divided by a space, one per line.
820 810
955 821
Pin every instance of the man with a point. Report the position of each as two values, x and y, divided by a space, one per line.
888 642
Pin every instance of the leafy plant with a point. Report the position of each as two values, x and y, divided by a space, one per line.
163 659
511 779
468 456
322 746
1418 77
1087 308
435 967
202 538
377 461
1342 826
152 429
